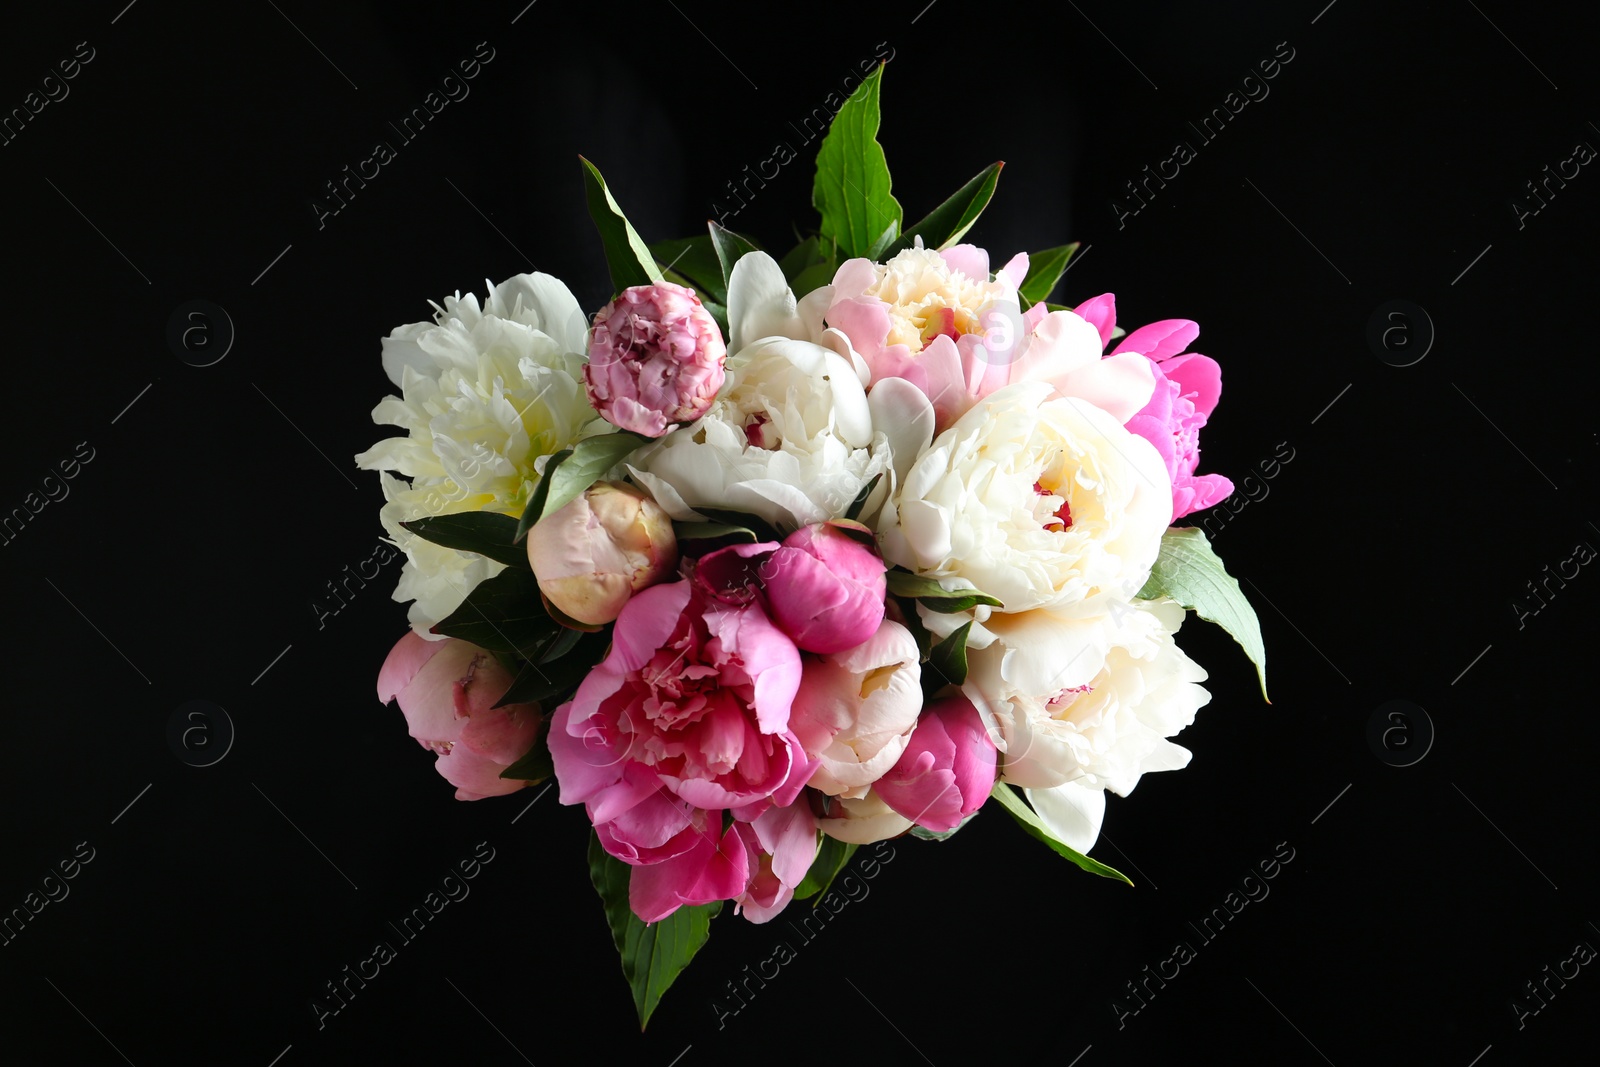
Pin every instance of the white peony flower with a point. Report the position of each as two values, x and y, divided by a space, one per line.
855 710
1038 501
862 821
487 393
790 439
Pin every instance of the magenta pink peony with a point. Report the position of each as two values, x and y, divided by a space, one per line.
1187 388
447 691
655 359
947 770
826 587
686 718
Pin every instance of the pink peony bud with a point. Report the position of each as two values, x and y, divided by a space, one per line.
600 549
947 770
447 691
825 587
655 359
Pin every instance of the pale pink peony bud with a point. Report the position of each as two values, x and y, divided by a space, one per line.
826 587
447 691
600 549
655 359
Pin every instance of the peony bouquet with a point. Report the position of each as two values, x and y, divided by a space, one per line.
771 558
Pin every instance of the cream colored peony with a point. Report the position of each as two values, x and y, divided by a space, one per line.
488 393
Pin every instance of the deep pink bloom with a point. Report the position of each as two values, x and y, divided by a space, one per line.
1187 389
655 359
947 770
825 587
447 691
685 718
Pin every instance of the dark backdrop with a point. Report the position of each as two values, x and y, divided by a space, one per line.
1437 465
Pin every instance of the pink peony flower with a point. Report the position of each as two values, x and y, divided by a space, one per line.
1187 387
655 359
947 770
685 719
938 321
600 549
447 691
825 587
781 844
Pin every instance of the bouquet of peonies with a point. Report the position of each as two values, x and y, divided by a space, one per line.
772 558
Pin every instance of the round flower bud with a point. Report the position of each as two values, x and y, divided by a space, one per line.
600 549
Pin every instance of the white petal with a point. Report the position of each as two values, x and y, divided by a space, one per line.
1071 812
901 412
760 303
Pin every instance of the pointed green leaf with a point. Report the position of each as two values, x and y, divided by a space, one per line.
1035 828
807 253
934 596
501 614
695 261
832 855
1188 571
627 256
1044 271
852 189
948 659
949 222
573 470
487 533
535 765
729 247
652 956
813 277
553 678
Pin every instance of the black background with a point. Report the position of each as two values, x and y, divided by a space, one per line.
1384 559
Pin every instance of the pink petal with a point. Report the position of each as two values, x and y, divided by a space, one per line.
1160 340
969 260
1101 313
405 659
1196 374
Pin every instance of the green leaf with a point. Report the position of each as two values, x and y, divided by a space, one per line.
935 596
501 614
851 190
573 470
807 253
832 855
652 956
729 247
949 657
763 530
535 765
627 256
883 241
813 277
695 261
950 221
714 531
551 681
1035 828
1188 571
1044 271
487 533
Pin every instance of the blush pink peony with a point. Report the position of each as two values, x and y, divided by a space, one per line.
655 359
447 691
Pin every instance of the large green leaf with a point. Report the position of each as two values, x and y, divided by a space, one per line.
807 253
950 221
487 533
832 855
729 247
935 596
1035 827
947 661
627 256
572 471
557 673
851 190
501 614
1044 271
695 261
1188 571
652 955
